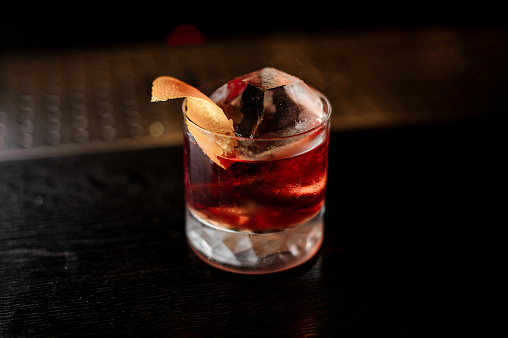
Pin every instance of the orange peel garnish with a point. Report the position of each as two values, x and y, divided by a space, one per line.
203 112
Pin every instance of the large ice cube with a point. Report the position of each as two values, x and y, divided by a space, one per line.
269 103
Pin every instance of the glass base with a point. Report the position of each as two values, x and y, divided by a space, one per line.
250 253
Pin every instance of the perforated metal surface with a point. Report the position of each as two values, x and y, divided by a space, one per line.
80 101
58 102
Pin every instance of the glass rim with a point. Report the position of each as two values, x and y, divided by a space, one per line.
242 138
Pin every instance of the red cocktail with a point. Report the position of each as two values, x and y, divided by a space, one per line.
255 164
258 195
258 206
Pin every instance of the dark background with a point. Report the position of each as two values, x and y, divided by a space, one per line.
84 23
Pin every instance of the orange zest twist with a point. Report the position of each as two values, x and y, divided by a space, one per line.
203 112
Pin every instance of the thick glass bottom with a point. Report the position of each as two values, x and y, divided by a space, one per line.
252 253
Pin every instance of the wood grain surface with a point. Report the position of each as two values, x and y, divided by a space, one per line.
95 244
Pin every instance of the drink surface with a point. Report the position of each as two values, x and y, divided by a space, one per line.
256 196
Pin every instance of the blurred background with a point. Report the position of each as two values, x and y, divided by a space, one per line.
77 78
76 24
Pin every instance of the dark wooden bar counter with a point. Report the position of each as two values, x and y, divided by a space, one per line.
95 244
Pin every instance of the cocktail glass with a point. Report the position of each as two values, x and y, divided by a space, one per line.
260 210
